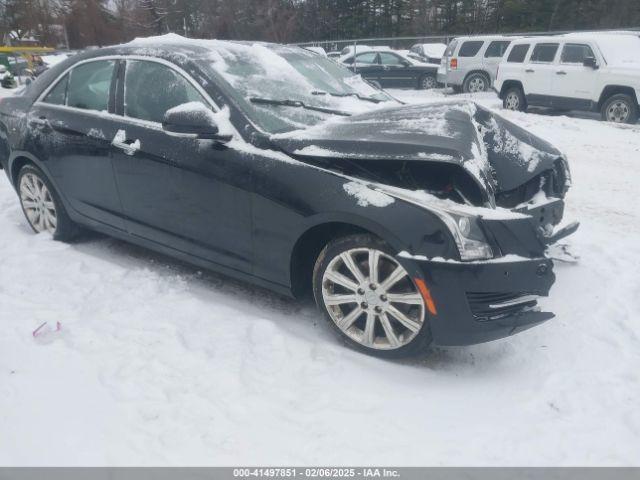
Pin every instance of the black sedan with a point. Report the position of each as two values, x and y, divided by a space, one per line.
388 69
409 225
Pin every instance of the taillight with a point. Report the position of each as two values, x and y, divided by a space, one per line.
454 63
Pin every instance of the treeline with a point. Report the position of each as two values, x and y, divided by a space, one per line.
81 23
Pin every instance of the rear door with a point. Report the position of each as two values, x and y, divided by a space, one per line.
70 131
188 194
573 83
539 72
367 65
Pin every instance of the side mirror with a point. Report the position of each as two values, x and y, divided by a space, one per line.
193 120
405 63
590 62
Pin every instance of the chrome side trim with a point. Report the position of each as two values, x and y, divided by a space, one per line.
515 301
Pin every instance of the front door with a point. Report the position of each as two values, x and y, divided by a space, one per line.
396 72
70 132
366 64
573 83
189 194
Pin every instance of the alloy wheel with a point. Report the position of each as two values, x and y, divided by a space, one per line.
428 83
38 204
618 112
477 84
372 300
512 102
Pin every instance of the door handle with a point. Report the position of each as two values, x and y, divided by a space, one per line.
40 122
529 70
130 147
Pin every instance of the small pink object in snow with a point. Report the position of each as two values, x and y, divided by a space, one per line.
38 330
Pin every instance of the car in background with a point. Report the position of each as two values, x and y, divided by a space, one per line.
409 225
386 68
470 64
428 52
335 55
6 78
594 72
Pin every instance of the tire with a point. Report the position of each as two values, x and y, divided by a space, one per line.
515 100
476 82
367 314
620 108
428 82
42 206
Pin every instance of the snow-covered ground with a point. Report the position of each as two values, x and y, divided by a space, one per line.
159 363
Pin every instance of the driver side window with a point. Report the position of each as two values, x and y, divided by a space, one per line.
152 88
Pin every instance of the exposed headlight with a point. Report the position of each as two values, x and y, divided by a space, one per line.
466 231
467 234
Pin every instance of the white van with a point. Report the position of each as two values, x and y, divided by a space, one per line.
470 63
598 72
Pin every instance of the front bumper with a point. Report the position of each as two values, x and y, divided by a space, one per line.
482 301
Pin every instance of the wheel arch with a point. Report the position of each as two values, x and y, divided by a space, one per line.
481 72
610 90
315 237
508 84
19 160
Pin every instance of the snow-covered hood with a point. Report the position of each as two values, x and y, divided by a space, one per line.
498 154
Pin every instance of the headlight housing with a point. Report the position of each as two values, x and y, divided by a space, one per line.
464 227
468 235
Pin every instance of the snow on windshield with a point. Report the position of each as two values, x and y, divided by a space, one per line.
278 72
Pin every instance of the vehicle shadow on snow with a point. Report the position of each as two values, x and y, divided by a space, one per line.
261 301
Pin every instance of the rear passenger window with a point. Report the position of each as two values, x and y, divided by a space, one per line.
496 49
470 49
89 85
518 53
576 53
58 95
544 52
366 58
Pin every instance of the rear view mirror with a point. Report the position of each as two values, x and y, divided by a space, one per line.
590 62
193 119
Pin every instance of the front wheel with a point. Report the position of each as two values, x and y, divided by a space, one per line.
42 206
514 100
369 299
620 108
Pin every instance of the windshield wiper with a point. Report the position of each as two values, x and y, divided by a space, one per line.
357 95
297 104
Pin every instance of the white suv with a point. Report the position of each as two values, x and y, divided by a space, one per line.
589 72
469 64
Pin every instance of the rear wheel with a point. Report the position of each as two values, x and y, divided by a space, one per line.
369 298
476 82
42 206
428 82
620 108
514 100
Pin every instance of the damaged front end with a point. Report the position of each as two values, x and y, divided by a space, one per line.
497 188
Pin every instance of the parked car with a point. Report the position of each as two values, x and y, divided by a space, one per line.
269 163
588 72
428 52
391 69
334 55
6 78
470 64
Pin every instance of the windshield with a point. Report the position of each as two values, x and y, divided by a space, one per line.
279 73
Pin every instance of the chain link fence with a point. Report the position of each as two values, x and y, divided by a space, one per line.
404 43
